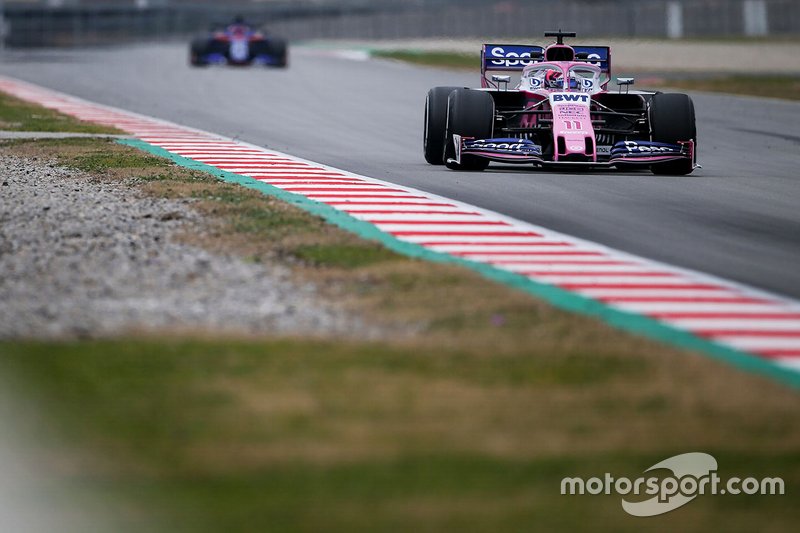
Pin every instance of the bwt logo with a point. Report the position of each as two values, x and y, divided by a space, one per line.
571 98
509 59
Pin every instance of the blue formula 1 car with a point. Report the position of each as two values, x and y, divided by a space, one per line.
238 44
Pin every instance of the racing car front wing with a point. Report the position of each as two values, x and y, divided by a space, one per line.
524 151
259 59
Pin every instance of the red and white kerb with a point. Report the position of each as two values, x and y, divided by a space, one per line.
724 312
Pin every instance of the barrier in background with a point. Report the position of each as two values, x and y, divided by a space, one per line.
67 25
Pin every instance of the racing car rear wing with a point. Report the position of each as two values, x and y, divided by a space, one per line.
515 57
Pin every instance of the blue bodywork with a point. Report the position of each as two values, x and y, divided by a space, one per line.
238 44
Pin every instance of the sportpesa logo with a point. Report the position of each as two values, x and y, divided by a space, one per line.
516 57
650 148
504 146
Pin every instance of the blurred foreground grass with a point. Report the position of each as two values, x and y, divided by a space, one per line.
289 435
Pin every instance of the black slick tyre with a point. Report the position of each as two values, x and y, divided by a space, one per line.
672 120
469 114
279 52
435 124
197 51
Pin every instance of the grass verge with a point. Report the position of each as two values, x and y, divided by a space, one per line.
465 415
786 87
18 115
432 59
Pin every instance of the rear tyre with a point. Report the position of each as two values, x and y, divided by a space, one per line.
672 120
435 124
469 114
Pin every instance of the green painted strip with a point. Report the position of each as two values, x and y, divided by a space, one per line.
558 297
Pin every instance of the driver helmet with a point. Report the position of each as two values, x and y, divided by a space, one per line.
554 79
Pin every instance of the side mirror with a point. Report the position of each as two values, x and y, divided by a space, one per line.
582 56
537 56
498 79
624 82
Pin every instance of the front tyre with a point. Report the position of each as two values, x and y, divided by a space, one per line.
672 120
197 52
279 52
469 114
435 124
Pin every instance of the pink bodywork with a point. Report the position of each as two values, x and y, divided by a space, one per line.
565 109
572 122
573 134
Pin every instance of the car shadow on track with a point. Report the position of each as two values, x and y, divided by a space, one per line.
582 173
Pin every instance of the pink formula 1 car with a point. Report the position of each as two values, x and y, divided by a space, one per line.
557 113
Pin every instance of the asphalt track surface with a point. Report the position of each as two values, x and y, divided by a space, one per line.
738 217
